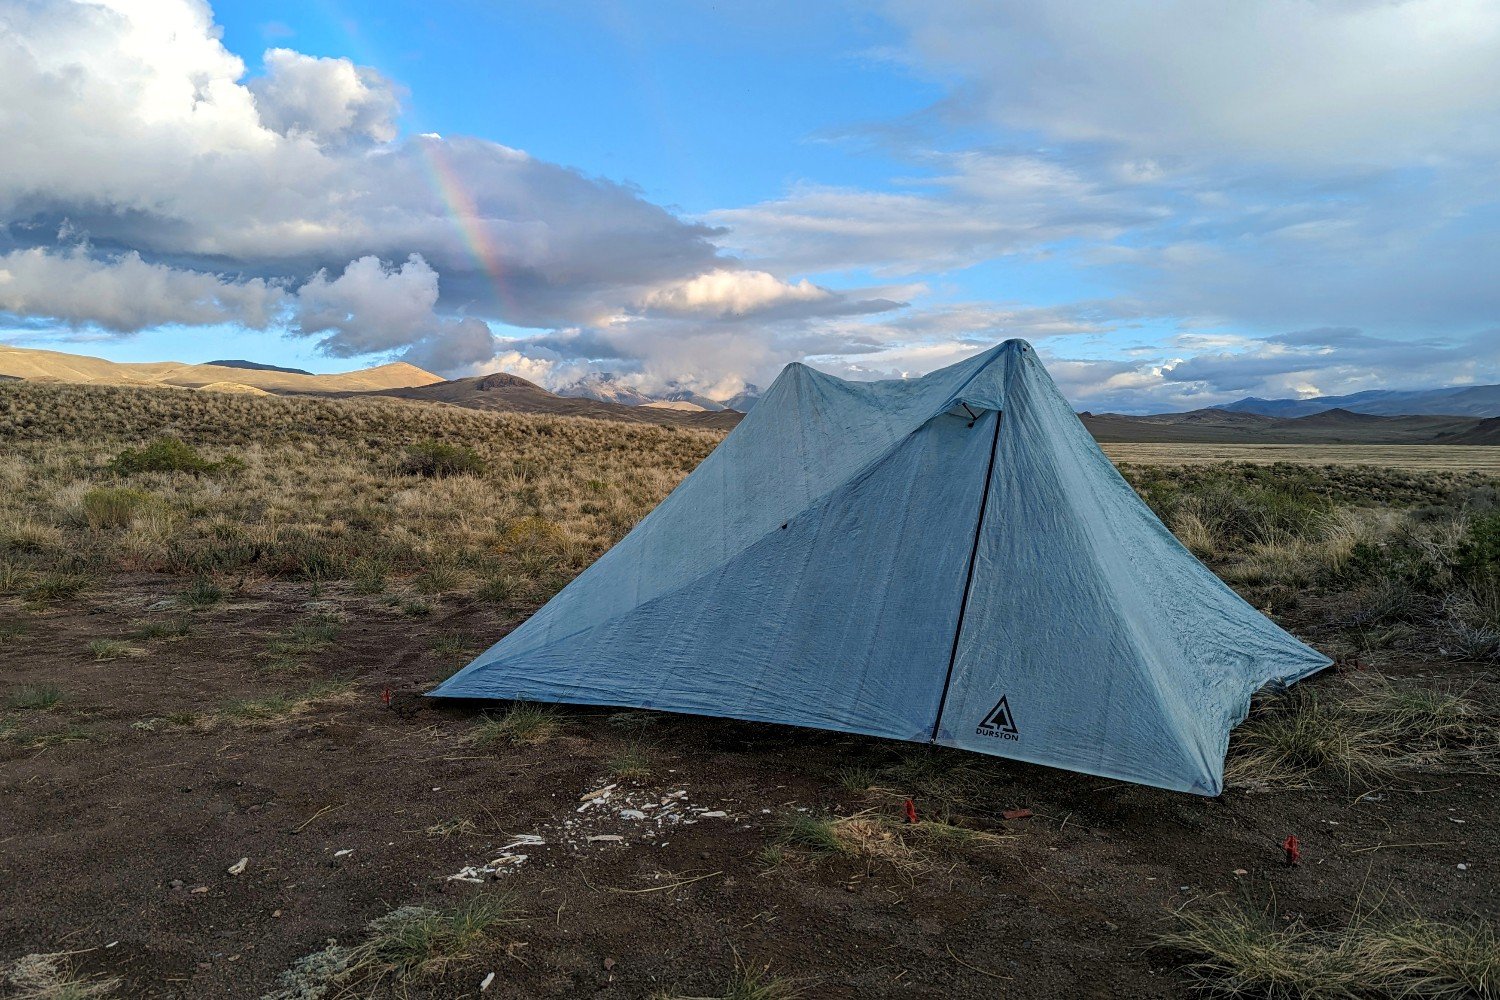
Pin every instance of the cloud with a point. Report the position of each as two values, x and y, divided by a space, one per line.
1299 363
733 293
371 307
1333 361
128 294
1286 81
329 100
1218 172
979 205
132 124
729 294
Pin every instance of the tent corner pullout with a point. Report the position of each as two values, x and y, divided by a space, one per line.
949 559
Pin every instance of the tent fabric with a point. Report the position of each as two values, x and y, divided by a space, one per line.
949 559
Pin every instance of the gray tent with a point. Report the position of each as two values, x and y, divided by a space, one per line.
949 559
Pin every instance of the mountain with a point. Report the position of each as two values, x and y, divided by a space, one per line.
1458 400
256 366
609 387
678 394
1336 426
745 399
605 387
504 392
55 366
680 404
1484 432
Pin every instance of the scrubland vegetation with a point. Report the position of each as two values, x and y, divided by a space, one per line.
1384 559
279 528
378 496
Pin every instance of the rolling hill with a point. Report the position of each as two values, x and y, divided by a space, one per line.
55 366
506 392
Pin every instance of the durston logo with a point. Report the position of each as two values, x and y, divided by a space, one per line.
999 723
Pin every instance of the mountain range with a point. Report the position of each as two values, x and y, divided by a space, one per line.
1457 400
610 387
1336 426
1454 415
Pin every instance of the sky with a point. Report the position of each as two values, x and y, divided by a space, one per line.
1179 202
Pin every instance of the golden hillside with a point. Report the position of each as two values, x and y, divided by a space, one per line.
55 366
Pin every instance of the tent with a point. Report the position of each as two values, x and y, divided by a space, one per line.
949 559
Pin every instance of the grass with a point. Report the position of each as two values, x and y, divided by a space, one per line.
35 697
305 638
521 724
313 497
1235 951
457 827
864 835
112 649
109 507
635 722
456 644
402 948
1359 733
815 834
630 764
55 977
285 704
201 593
748 983
150 631
71 733
57 587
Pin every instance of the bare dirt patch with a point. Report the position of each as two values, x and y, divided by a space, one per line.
118 841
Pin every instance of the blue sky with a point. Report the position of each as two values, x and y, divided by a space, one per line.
1179 203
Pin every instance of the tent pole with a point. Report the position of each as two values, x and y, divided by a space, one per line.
963 604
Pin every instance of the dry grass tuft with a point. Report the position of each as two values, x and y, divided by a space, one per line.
275 707
1360 733
521 724
630 764
112 649
35 697
401 949
54 977
748 983
864 835
1238 952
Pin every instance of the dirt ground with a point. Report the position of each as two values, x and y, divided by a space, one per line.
117 834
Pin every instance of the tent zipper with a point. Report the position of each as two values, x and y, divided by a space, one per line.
963 604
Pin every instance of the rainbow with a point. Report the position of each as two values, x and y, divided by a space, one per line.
463 211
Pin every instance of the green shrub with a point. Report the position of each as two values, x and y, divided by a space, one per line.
1477 561
438 460
169 454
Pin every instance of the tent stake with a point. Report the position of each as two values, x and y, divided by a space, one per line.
963 604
